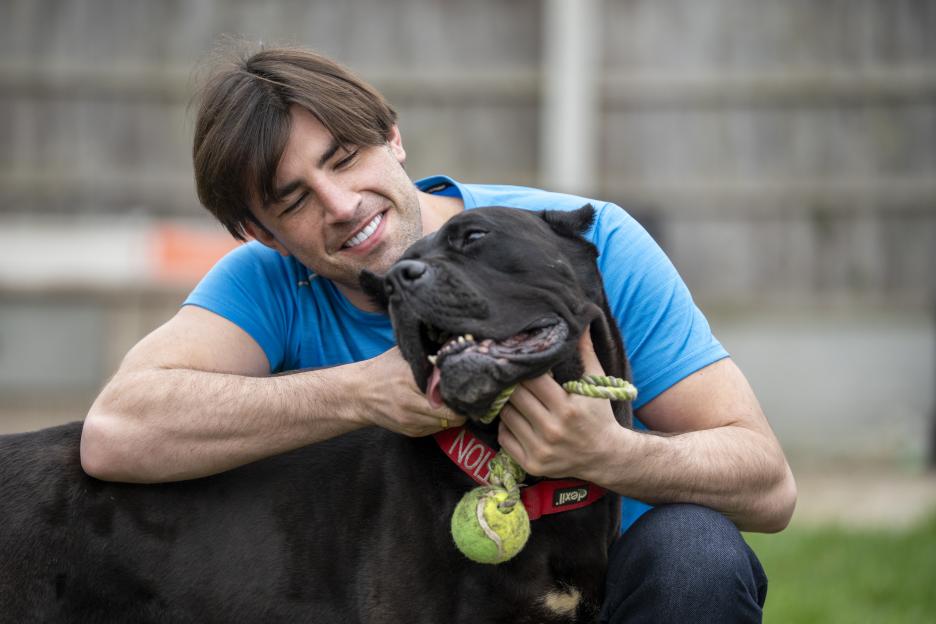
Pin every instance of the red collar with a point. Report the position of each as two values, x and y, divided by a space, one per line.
548 496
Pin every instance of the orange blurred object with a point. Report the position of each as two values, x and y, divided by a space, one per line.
182 255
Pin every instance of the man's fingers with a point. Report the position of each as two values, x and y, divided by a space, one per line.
587 353
446 412
446 418
517 422
508 438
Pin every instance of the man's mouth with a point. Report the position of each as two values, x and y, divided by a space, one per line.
364 233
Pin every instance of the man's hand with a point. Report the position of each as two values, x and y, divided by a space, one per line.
553 433
394 402
719 452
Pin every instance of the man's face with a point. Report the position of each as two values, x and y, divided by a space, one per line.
343 207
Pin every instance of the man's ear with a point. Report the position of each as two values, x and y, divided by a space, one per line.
395 143
260 233
372 285
571 223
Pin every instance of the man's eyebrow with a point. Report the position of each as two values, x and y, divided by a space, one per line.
283 191
333 147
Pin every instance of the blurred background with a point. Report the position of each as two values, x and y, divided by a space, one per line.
783 152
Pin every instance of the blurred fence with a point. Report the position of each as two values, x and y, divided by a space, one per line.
783 152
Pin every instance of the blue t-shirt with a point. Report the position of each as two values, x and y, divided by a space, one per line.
302 321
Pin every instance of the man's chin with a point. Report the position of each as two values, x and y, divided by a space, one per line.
348 262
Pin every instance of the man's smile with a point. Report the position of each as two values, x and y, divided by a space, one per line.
367 235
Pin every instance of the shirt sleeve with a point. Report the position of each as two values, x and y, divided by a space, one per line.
250 288
666 336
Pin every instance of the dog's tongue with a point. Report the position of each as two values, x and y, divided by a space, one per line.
433 391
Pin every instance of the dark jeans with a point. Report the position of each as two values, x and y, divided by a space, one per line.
683 563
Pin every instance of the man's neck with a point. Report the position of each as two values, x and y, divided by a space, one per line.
437 209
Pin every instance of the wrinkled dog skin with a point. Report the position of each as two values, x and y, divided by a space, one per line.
354 529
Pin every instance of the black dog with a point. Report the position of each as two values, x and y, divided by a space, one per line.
354 529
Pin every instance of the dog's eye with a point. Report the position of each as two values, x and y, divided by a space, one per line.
461 240
472 236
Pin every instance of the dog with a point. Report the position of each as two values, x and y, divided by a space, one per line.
356 528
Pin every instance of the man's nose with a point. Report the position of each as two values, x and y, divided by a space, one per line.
339 202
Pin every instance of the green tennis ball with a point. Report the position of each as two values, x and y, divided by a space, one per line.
483 532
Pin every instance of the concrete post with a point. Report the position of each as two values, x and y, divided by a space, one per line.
570 103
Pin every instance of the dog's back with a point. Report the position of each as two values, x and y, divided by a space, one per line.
352 529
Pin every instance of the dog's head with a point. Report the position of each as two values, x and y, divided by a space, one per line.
497 295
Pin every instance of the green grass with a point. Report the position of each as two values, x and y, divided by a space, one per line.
854 576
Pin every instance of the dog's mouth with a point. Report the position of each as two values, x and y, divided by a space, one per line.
468 371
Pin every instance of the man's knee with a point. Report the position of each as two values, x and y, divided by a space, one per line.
690 538
682 560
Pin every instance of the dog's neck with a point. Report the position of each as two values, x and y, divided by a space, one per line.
485 433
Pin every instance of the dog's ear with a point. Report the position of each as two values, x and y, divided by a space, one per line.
373 286
571 223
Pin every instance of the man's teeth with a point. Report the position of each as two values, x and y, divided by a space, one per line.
364 234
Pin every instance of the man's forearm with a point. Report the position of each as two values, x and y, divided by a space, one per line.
169 424
731 469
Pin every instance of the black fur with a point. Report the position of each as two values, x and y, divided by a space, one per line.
354 529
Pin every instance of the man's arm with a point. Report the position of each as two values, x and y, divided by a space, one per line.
719 452
195 398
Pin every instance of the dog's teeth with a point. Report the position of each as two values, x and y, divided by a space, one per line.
433 359
469 337
461 340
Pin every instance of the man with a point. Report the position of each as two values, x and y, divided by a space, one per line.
296 152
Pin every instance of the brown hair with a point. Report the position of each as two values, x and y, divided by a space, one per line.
243 123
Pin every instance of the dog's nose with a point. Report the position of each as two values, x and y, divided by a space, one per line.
411 270
408 273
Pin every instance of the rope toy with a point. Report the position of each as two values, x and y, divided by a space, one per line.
602 387
488 525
